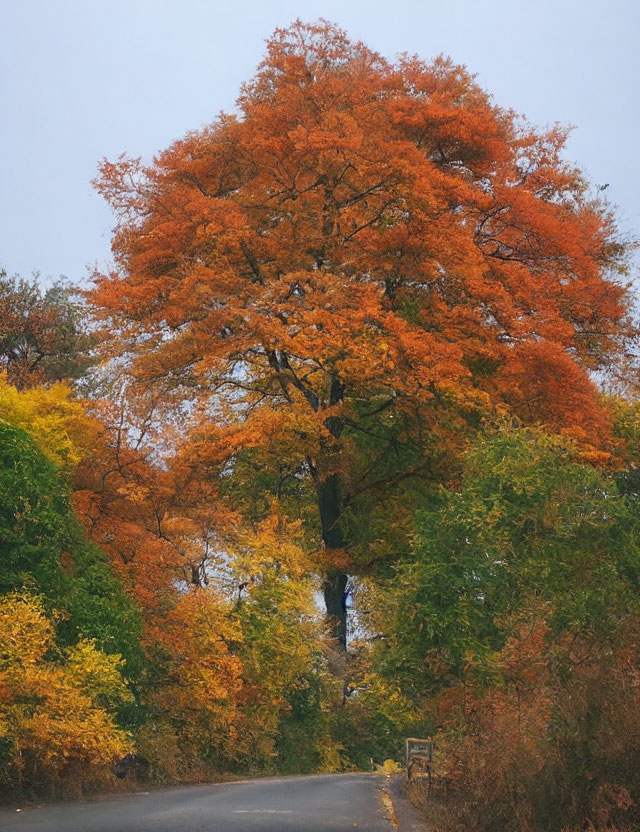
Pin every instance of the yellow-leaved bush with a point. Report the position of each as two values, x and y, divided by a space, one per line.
57 422
55 706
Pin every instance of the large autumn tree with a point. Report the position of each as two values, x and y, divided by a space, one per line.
350 270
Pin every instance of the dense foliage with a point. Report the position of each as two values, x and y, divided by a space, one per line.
514 631
212 679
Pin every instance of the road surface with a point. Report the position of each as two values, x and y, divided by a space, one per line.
339 802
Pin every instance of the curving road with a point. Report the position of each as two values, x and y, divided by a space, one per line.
338 802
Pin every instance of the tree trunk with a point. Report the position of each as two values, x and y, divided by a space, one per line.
335 583
335 599
331 504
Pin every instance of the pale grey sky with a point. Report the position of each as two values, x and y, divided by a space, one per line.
83 79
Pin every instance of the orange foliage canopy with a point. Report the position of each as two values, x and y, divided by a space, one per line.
364 236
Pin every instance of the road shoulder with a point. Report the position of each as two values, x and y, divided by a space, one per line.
402 814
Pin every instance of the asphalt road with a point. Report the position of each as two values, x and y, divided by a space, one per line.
338 802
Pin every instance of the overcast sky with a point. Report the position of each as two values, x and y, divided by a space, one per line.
84 79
